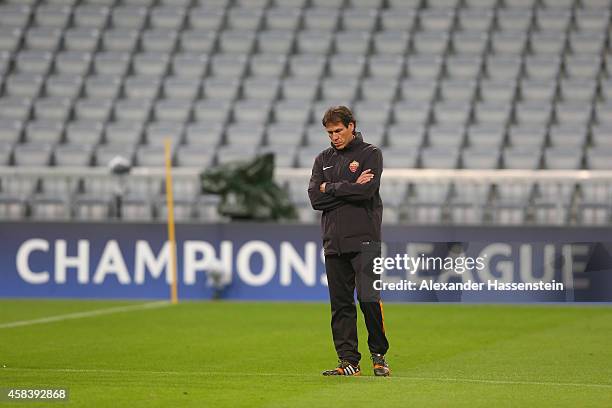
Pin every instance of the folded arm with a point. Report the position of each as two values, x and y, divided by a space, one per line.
359 191
319 200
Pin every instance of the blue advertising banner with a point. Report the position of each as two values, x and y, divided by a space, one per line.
285 262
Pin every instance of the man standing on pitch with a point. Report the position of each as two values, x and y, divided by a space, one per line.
345 185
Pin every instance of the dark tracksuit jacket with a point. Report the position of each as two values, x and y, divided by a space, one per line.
352 213
351 232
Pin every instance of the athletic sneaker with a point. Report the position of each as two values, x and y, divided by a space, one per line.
381 368
344 368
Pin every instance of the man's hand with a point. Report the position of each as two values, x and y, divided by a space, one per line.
365 177
322 187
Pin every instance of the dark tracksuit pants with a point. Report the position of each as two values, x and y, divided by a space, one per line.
345 273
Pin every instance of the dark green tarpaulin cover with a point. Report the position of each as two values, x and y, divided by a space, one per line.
248 190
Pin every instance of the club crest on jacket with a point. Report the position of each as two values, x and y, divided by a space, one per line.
353 166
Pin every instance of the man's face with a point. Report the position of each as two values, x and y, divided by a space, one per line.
339 134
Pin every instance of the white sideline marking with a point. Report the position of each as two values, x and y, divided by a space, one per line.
80 315
247 374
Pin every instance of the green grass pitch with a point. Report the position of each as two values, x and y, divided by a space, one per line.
249 354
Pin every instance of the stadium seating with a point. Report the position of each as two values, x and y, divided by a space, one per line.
474 84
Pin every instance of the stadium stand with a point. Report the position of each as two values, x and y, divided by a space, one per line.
437 84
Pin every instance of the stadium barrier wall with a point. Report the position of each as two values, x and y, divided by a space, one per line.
285 262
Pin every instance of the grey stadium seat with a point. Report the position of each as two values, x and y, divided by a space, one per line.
120 39
361 19
599 158
346 66
391 42
151 63
339 88
264 89
321 19
67 86
15 108
446 136
10 131
93 109
284 156
73 62
282 18
521 158
486 136
373 113
167 17
137 110
430 43
313 42
23 85
292 111
268 65
47 39
112 62
205 134
385 66
528 135
9 38
103 86
44 132
563 158
177 110
33 62
212 111
419 90
206 18
33 154
141 86
198 41
538 90
189 65
81 39
132 17
415 113
299 88
275 42
352 42
84 132
52 108
231 66
284 135
379 89
481 157
71 155
307 65
252 111
424 67
457 90
393 19
237 41
90 16
194 156
244 135
14 15
150 156
181 88
124 133
244 18
439 157
156 133
227 154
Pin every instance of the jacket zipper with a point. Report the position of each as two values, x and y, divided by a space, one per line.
337 223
